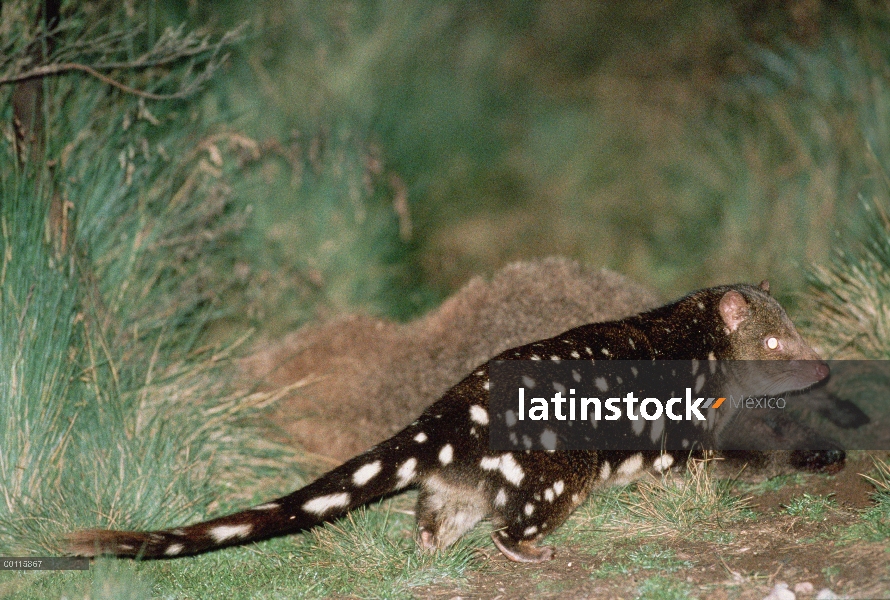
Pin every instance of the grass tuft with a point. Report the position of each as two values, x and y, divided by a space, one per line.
876 520
810 507
698 504
384 559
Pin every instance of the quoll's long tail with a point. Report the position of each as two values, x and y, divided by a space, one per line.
379 471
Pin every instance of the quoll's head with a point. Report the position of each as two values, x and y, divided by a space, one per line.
758 328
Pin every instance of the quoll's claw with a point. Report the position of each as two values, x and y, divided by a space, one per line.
524 551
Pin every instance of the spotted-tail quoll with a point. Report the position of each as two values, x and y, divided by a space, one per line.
446 452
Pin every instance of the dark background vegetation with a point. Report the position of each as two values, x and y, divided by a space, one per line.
682 143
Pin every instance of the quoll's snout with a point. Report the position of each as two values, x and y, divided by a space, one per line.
812 371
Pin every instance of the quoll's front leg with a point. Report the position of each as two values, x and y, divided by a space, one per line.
521 550
551 487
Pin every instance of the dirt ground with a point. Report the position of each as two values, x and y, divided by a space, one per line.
775 547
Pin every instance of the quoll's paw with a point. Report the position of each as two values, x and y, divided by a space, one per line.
524 551
427 541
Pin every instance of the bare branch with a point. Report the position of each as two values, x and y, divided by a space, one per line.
58 69
94 53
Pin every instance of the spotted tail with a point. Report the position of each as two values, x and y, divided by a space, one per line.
381 470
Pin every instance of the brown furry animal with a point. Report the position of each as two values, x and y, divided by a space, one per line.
368 377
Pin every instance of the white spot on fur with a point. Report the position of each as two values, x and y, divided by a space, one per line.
479 414
510 418
420 438
173 549
222 533
528 381
631 465
529 509
606 352
663 462
446 454
501 498
535 357
480 373
559 387
486 385
267 506
322 504
657 429
529 531
406 472
555 358
366 473
548 495
589 351
601 384
575 354
506 464
548 439
490 463
699 383
559 486
606 471
576 376
511 470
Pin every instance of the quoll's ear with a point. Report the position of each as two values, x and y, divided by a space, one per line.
734 309
764 285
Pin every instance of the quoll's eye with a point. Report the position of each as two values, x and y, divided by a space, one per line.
772 343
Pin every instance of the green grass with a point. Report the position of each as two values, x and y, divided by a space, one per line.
875 520
808 506
698 505
377 544
646 557
664 588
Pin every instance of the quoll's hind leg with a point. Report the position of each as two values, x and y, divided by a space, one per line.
446 511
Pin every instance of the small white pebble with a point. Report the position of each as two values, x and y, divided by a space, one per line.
781 592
